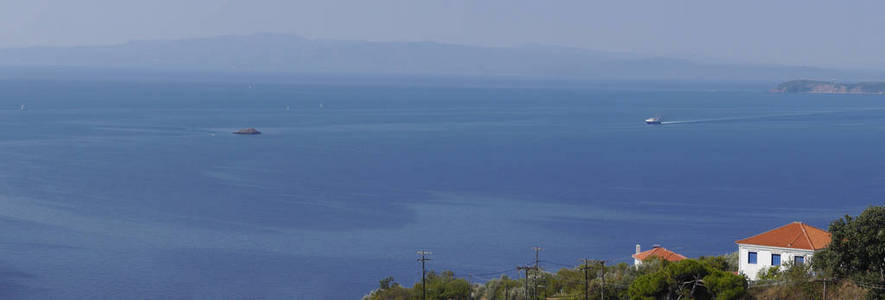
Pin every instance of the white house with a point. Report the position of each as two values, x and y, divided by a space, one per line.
794 242
655 251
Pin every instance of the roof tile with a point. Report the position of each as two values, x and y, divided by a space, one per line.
660 252
795 235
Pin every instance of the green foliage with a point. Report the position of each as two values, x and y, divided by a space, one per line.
650 286
724 285
772 273
388 289
455 289
688 279
652 264
567 283
386 283
856 252
442 286
496 289
796 273
727 262
655 279
857 249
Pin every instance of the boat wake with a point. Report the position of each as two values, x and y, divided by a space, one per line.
746 118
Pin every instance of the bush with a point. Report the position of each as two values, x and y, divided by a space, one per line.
688 279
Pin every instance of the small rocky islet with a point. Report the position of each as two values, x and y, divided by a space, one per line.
247 131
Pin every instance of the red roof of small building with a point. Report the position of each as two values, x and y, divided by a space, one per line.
795 235
659 252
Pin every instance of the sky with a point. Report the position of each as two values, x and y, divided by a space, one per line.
790 32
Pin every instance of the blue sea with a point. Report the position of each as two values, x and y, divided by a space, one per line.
136 189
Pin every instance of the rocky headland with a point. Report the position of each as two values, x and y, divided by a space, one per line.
830 87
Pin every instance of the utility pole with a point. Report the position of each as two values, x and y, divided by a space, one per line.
470 287
586 268
537 255
506 292
537 269
602 285
526 268
423 253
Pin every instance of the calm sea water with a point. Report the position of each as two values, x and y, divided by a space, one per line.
130 190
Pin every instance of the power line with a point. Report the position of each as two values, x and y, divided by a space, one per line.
492 273
559 264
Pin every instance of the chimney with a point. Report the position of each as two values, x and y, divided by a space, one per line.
637 249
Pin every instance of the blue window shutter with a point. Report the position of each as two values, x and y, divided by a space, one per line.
775 259
751 257
799 259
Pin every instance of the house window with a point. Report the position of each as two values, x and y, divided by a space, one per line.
799 260
751 258
775 259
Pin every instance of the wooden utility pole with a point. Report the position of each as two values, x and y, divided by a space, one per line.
423 253
586 268
526 268
537 269
506 292
602 284
469 287
537 255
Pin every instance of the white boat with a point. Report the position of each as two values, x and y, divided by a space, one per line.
653 121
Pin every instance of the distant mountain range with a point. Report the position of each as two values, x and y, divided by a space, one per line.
292 54
828 87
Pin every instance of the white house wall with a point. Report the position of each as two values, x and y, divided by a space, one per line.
763 258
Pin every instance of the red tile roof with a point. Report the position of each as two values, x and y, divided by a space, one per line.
795 235
659 252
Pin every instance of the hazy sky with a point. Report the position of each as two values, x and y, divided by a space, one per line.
799 32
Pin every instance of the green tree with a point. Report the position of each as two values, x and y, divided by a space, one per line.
444 286
857 249
650 286
386 282
388 289
725 285
688 279
727 262
455 289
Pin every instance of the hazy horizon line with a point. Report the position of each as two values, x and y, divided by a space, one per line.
701 59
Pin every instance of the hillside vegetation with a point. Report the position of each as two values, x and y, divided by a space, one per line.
851 267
